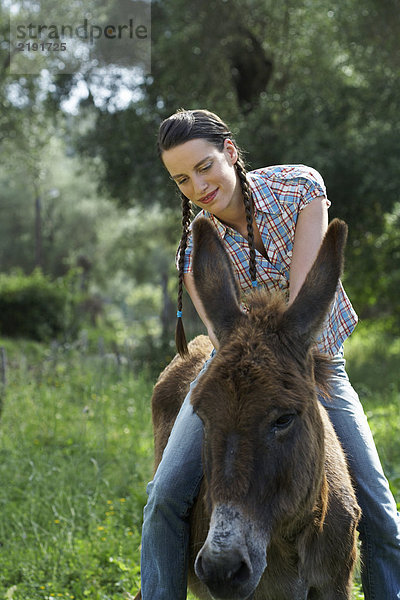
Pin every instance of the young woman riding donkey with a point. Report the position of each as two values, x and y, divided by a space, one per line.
276 515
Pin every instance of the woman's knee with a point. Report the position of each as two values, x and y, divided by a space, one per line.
167 498
161 491
380 519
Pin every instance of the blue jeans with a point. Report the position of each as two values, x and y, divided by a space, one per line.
175 486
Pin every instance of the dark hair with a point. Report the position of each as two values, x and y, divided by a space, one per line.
181 127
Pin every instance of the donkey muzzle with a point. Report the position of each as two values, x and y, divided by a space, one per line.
231 561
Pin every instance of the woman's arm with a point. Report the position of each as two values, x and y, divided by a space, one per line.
188 280
311 226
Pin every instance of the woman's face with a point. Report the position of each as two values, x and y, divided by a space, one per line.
206 175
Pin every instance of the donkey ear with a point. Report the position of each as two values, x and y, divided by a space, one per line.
306 315
214 278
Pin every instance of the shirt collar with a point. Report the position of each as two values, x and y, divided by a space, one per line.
220 227
264 199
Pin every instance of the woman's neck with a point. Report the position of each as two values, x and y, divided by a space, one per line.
234 215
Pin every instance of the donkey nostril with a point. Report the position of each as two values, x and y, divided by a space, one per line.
242 574
234 571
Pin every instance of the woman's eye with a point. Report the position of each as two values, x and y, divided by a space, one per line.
206 167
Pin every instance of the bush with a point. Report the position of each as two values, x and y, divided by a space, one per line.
37 308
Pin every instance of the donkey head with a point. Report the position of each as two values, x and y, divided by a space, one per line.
263 448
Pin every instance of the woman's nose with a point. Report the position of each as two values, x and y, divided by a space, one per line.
200 185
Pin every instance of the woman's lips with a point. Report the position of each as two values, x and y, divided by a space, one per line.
207 199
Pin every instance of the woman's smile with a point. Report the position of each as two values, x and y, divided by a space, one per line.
208 198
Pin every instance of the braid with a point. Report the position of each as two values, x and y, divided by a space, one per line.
246 192
180 337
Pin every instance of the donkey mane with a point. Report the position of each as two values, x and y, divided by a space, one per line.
260 342
267 312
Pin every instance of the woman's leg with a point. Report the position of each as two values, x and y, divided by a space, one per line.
172 493
379 527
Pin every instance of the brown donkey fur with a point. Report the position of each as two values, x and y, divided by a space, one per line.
276 516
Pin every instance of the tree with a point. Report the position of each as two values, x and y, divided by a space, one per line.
311 81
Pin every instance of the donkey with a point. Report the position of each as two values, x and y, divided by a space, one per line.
276 516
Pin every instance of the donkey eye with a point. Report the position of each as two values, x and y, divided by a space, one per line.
283 422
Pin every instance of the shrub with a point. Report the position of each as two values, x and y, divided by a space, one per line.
37 308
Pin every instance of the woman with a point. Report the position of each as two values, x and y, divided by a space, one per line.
272 222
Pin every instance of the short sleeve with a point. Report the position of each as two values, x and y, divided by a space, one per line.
313 187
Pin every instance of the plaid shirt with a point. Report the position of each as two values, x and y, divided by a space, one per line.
279 194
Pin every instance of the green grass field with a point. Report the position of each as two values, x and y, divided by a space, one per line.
76 453
76 450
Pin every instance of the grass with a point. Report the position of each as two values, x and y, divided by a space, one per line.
76 453
373 366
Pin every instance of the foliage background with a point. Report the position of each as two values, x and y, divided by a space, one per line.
311 81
